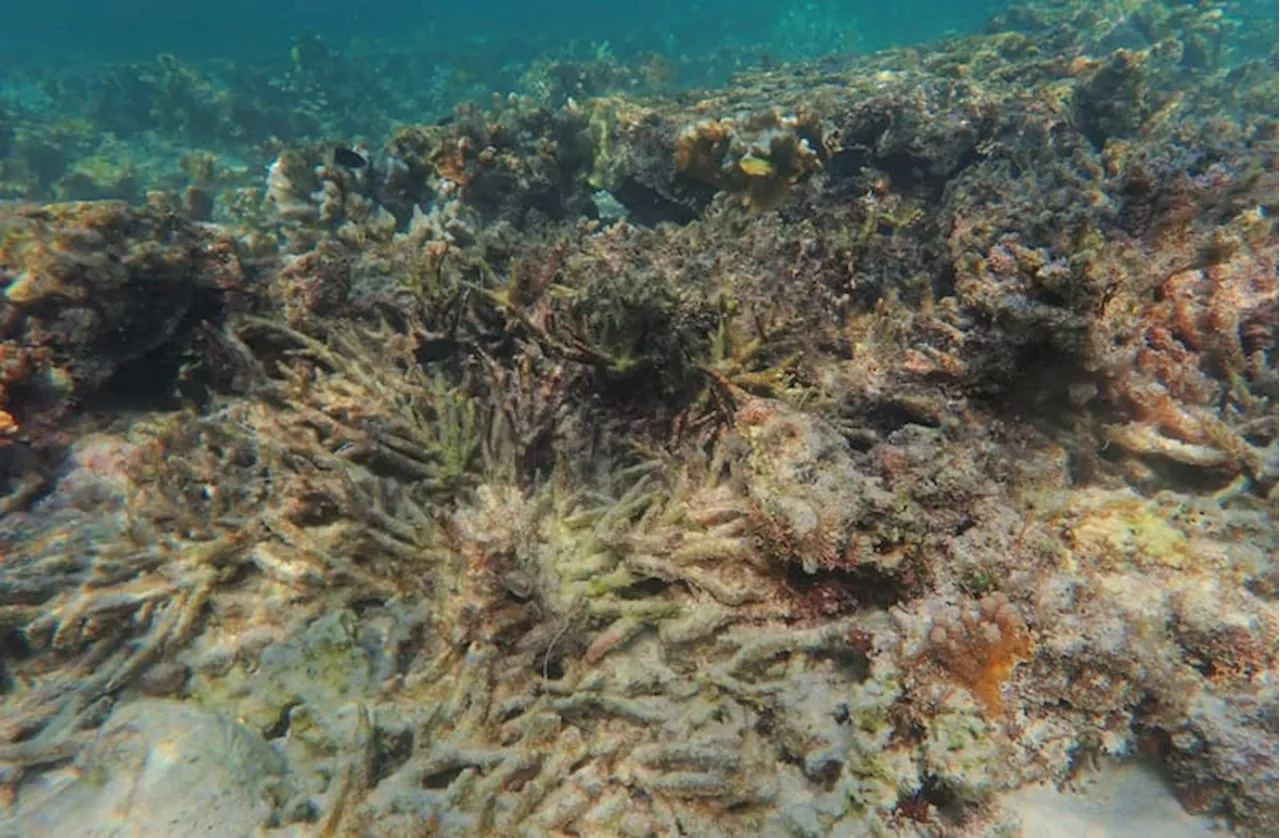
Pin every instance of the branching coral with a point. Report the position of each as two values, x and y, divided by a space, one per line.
118 598
1197 372
410 423
285 498
645 336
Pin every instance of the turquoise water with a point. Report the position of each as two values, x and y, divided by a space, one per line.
71 30
104 100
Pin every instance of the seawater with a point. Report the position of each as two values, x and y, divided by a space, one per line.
71 31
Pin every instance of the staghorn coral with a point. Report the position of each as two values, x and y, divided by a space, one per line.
1198 381
492 785
644 337
108 612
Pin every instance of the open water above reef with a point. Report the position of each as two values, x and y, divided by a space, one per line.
669 419
136 86
70 30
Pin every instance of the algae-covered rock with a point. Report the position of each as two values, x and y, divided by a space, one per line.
158 767
321 669
86 288
815 507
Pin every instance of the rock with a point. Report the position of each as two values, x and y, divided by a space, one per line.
159 767
1121 801
88 287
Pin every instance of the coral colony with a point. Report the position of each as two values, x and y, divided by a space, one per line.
834 453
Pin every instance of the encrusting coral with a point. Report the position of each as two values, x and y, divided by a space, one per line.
887 457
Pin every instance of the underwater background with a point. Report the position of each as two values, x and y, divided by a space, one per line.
64 30
84 80
81 82
681 419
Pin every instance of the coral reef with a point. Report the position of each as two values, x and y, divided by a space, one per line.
760 157
835 454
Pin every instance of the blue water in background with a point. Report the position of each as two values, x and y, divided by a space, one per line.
70 31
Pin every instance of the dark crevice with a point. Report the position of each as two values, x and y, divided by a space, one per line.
146 383
644 589
648 208
853 666
13 647
887 417
391 750
866 424
550 665
365 606
944 281
280 726
912 175
1195 479
932 797
444 778
833 592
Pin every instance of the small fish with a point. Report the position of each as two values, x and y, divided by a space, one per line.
755 167
350 158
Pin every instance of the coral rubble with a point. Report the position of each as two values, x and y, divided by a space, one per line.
835 454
